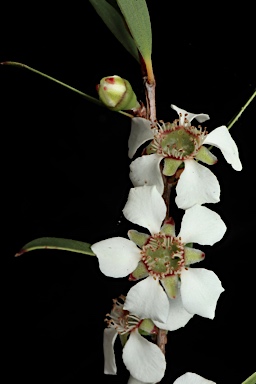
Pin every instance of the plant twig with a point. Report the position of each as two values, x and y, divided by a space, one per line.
88 97
242 110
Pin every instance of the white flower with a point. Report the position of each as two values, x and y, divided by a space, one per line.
181 144
170 292
145 360
187 378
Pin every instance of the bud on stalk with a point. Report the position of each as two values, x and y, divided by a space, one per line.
117 94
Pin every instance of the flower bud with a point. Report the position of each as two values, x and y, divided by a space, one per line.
117 94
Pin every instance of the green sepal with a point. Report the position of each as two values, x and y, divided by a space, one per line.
170 284
138 238
192 255
123 338
147 327
206 156
58 244
168 228
140 272
171 166
129 100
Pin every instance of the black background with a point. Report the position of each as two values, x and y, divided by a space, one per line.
65 170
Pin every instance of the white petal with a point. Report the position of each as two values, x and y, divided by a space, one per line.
140 133
144 360
132 380
109 338
178 316
147 299
145 207
117 256
192 378
201 225
145 170
197 185
201 117
200 290
221 138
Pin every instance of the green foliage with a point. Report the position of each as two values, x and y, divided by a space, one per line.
137 18
58 244
251 379
115 22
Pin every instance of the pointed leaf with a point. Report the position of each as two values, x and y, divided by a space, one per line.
58 244
137 18
21 65
115 22
251 379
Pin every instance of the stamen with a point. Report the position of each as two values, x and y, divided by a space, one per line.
121 319
163 255
192 138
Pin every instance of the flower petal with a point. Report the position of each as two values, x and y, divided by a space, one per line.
147 299
201 225
197 185
140 133
109 338
200 290
117 256
144 360
192 378
145 207
132 380
201 117
177 317
221 138
145 170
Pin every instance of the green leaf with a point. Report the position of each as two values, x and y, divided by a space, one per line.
115 22
58 244
21 65
251 379
137 18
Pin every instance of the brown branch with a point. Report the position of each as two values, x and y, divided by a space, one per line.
161 339
149 93
151 101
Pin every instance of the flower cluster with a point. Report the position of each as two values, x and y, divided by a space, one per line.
167 289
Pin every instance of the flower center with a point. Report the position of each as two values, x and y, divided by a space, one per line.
121 319
178 141
163 255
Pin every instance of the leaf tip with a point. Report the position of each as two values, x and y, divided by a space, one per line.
20 252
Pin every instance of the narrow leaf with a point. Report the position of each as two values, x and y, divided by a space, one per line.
58 244
21 65
137 18
89 98
251 379
115 22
